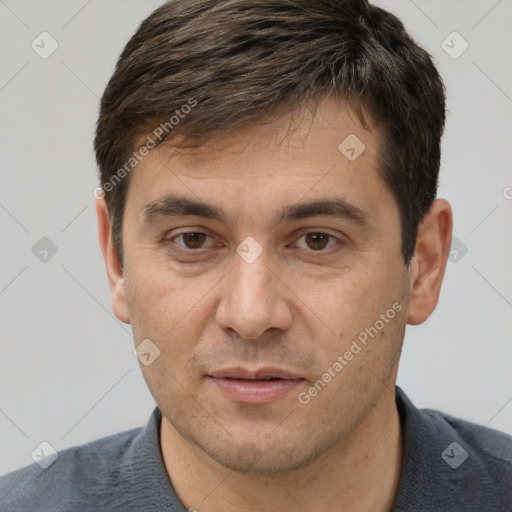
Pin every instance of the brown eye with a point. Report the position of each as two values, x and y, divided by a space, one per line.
317 241
193 240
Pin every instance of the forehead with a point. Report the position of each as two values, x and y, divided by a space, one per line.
312 128
301 153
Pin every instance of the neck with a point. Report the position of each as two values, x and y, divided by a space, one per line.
361 473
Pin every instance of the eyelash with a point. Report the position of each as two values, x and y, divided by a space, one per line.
171 240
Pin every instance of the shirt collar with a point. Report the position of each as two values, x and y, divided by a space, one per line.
427 482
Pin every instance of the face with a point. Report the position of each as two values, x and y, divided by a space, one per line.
266 267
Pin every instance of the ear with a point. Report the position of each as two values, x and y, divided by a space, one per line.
428 265
112 264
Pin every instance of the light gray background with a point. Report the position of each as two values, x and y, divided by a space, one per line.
67 372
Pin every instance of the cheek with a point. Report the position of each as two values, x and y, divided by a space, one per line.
349 304
161 306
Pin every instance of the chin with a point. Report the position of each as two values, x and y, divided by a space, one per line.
266 457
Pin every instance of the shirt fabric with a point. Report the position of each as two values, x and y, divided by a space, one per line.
449 465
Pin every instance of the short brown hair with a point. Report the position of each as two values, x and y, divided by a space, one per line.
239 60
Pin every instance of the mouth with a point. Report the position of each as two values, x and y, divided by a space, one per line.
255 387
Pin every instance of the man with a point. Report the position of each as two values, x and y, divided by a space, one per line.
269 223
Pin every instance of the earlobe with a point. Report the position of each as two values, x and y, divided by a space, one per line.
427 268
114 269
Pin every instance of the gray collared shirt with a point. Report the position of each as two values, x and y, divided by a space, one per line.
449 465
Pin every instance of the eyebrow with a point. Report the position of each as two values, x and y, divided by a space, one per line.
176 206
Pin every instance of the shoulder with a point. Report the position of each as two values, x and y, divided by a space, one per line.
489 449
74 479
478 463
452 464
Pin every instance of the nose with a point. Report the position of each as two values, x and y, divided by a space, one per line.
253 300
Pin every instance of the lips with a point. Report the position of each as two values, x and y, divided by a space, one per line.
267 373
255 387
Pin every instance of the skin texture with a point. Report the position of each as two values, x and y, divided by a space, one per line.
293 308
